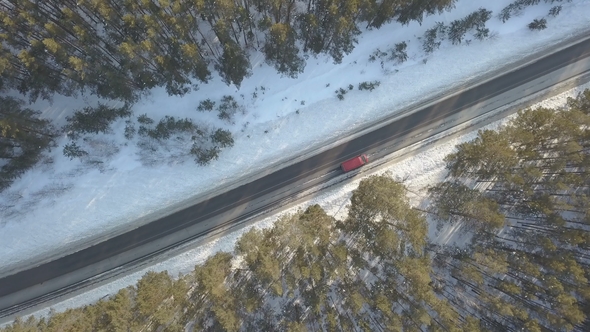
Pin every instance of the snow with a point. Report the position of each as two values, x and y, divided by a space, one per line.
63 204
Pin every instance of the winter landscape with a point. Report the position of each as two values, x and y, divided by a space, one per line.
117 179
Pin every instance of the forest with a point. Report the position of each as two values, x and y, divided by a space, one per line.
122 49
521 199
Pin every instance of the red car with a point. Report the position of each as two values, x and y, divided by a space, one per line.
354 163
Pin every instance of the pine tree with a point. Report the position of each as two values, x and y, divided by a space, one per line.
537 24
117 314
94 120
281 51
24 136
472 159
399 53
453 201
433 37
154 299
211 282
203 156
223 138
330 27
406 11
258 251
20 325
234 65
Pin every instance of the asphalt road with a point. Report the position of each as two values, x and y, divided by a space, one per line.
235 202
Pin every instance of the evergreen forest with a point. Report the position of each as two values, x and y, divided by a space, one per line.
519 197
122 49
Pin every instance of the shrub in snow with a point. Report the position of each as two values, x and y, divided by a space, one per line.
340 93
169 126
72 150
399 53
433 37
482 33
369 85
204 156
505 14
538 24
554 11
515 8
476 20
94 120
144 119
228 107
223 138
377 54
206 105
456 31
129 129
166 127
171 136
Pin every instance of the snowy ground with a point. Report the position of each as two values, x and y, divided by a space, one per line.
62 204
417 172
